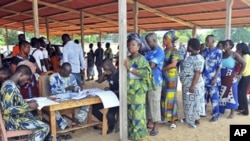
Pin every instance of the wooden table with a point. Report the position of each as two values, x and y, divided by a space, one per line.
74 104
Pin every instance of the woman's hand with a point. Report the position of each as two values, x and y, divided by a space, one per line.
191 89
126 64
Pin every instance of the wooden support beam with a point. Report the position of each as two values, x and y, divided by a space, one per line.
194 32
100 36
205 2
122 8
161 14
29 15
135 9
172 6
11 3
6 39
82 29
247 2
99 6
35 16
59 14
47 28
229 5
75 11
24 29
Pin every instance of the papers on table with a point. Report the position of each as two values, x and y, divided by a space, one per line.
109 98
42 102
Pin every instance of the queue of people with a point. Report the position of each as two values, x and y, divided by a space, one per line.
210 73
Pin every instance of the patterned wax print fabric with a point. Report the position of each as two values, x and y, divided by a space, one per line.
16 113
57 86
59 83
194 103
228 90
156 56
213 61
169 103
137 90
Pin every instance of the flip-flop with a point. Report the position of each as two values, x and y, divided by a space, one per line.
192 126
172 126
230 116
153 133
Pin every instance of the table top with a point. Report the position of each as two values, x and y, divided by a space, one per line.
74 103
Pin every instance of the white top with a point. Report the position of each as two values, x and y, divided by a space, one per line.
38 55
73 54
45 53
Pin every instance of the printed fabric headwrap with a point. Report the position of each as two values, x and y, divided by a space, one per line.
144 47
171 34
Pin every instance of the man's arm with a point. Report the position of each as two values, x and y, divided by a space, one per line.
16 104
65 55
102 78
82 59
218 70
54 87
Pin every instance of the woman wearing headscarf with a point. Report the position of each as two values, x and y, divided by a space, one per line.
229 83
244 82
140 80
192 84
169 103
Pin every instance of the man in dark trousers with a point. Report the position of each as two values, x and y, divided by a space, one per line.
99 59
111 74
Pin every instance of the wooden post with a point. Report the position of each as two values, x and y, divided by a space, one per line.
100 37
7 38
24 30
82 37
47 28
123 72
35 18
82 29
229 4
135 10
194 31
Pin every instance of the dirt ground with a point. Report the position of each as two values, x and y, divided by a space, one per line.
207 131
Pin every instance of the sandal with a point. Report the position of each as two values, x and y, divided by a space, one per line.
153 133
192 126
172 126
230 116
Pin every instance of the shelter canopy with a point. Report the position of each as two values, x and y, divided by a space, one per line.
101 16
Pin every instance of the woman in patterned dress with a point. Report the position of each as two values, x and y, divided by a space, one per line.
169 103
229 80
192 84
140 80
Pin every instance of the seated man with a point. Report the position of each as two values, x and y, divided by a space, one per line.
63 82
16 111
111 74
4 75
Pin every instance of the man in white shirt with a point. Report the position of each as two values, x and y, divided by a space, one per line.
73 54
37 53
43 45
